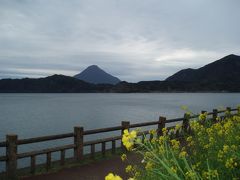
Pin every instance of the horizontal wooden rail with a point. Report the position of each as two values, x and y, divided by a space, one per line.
143 124
174 120
95 131
45 151
44 138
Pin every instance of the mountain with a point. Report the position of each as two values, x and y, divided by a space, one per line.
95 75
225 70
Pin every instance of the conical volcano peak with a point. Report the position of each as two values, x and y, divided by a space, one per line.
94 74
93 67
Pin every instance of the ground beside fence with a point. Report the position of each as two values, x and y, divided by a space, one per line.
93 171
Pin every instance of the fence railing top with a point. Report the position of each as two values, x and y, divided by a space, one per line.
101 130
44 138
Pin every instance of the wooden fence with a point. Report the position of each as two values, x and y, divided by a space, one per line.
12 142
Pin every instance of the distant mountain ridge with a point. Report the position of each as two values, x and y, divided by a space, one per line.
95 75
226 69
220 76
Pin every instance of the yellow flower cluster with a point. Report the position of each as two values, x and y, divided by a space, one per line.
128 139
230 163
129 168
210 174
209 151
124 157
182 154
111 176
153 132
149 165
203 116
175 144
164 131
190 175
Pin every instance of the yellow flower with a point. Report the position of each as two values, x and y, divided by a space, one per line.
220 132
218 118
147 154
226 148
153 132
153 140
210 174
214 173
190 175
137 174
125 132
202 116
133 134
182 154
162 139
128 139
178 127
174 169
111 176
149 166
164 131
234 147
124 157
175 144
206 146
128 168
189 138
220 155
230 163
195 166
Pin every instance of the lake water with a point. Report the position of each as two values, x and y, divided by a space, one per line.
30 115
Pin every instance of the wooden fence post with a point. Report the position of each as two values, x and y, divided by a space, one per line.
186 122
214 115
49 159
33 164
103 148
228 112
78 142
113 146
62 157
125 125
161 125
11 152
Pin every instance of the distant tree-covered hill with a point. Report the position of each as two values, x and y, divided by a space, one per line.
51 84
224 70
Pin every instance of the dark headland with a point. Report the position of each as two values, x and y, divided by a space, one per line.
222 75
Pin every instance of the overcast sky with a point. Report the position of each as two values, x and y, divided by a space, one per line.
131 39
